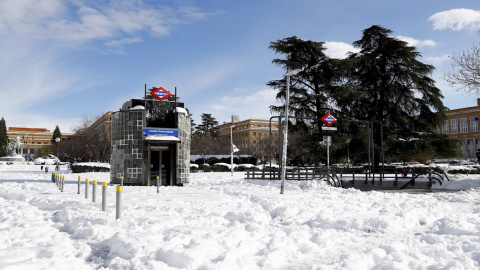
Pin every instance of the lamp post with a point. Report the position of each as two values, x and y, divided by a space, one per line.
231 148
285 130
58 159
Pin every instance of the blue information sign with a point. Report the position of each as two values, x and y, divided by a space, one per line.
160 131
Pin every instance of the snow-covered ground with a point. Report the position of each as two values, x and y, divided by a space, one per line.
223 222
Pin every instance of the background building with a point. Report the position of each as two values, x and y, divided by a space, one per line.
33 139
462 125
250 136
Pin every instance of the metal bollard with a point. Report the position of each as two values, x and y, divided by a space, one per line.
78 192
86 188
118 211
121 181
94 191
63 181
104 196
158 184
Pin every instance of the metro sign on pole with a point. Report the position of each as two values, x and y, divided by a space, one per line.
328 119
160 93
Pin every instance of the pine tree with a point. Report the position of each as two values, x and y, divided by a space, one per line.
392 87
192 122
3 138
312 91
209 125
56 134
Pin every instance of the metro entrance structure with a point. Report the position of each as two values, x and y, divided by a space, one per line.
150 139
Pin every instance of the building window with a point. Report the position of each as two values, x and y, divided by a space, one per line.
437 129
445 127
454 125
463 125
473 124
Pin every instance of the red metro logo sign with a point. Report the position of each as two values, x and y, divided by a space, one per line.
328 119
160 93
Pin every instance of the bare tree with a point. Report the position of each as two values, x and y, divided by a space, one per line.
203 145
92 142
262 148
74 150
465 70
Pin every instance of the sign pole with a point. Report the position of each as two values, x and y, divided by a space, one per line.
231 148
285 132
285 140
328 157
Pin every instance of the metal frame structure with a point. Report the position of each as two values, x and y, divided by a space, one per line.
371 144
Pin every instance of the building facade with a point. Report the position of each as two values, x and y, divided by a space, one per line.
97 138
150 139
251 135
33 139
462 125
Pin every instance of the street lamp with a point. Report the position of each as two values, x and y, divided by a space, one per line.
231 148
285 130
58 159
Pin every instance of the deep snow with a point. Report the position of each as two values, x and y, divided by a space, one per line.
223 222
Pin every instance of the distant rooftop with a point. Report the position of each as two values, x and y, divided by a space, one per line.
23 129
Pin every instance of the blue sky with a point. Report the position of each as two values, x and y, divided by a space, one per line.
62 60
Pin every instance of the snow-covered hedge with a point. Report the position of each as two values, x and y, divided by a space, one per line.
90 167
48 160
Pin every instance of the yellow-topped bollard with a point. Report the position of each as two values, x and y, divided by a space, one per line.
78 184
119 202
86 188
104 196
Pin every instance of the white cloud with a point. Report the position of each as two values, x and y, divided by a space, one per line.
115 23
437 60
121 42
38 121
28 17
37 37
339 49
416 42
192 13
255 105
456 19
